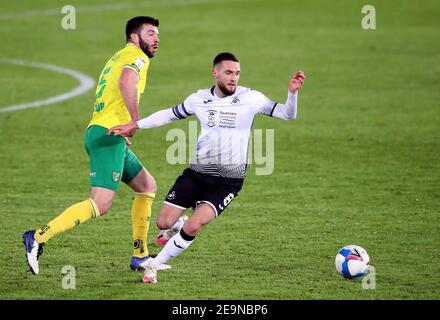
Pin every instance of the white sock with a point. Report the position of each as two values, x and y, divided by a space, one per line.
178 224
175 246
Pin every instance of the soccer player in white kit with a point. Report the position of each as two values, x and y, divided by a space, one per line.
216 174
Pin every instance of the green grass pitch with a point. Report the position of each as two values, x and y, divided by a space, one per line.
360 165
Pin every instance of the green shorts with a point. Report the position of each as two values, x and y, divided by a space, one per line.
110 159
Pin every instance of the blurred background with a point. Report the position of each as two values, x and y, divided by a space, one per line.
358 166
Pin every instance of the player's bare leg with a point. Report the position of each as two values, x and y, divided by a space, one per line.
103 199
169 222
203 214
143 182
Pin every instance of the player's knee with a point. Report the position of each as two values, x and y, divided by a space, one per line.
151 184
103 206
164 222
148 184
193 227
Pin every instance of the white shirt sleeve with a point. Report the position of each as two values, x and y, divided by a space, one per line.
157 119
185 109
286 111
162 117
263 103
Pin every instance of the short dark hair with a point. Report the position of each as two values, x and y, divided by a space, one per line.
134 24
225 56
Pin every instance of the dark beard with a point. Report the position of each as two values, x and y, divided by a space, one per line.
144 47
225 90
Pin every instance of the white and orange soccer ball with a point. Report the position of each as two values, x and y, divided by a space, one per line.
352 262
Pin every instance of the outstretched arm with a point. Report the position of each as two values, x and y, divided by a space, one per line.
287 111
157 119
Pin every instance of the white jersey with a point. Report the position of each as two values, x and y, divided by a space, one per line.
222 146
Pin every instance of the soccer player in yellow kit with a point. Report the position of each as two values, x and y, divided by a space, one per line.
120 86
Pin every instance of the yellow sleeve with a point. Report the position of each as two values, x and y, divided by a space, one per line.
137 64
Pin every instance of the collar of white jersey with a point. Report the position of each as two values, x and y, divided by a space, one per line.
232 95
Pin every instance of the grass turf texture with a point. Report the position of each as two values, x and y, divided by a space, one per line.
358 166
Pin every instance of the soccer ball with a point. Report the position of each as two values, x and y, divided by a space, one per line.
352 262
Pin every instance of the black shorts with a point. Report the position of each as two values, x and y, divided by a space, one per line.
193 188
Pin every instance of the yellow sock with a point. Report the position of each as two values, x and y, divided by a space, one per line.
140 218
71 217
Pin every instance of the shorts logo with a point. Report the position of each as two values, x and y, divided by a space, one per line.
116 175
171 196
228 199
92 174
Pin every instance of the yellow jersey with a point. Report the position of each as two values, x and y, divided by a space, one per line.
110 109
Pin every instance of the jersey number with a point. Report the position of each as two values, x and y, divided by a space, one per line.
102 82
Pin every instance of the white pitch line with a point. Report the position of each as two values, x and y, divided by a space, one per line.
101 8
85 84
